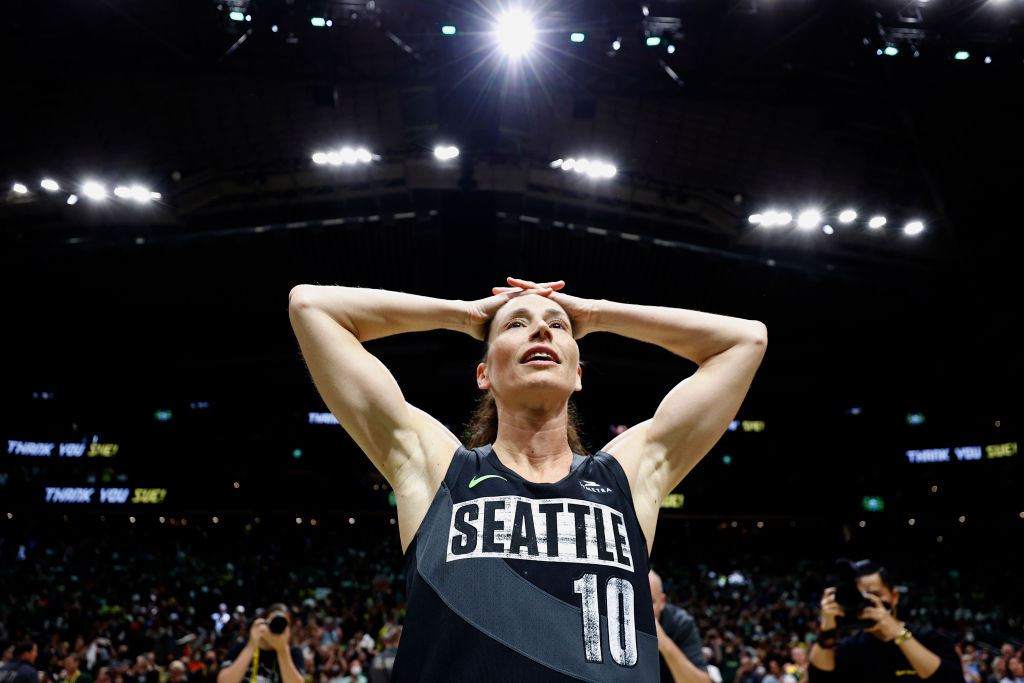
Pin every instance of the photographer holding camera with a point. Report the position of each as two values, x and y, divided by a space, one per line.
267 656
880 647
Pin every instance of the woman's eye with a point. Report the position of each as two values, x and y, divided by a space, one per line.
514 323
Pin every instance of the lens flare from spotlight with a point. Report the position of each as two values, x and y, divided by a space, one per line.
515 33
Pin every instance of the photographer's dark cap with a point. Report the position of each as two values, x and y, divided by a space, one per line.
23 647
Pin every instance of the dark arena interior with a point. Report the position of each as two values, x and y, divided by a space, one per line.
845 172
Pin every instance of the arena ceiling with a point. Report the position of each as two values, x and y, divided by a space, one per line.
760 104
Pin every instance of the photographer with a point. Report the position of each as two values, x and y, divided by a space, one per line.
880 647
267 657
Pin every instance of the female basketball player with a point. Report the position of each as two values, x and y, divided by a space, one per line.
525 560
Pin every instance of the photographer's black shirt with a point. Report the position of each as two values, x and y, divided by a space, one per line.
267 669
864 658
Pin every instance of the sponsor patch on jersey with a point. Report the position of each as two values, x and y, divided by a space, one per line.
545 530
594 487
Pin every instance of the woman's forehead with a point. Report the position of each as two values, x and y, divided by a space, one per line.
528 304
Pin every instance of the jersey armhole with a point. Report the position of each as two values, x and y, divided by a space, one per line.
459 459
609 461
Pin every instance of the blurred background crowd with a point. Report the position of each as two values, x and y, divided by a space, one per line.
166 604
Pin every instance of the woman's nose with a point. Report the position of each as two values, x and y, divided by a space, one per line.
542 331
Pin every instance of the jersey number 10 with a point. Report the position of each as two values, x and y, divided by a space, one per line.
621 624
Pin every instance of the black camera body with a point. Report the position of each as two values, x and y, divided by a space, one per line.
850 598
277 624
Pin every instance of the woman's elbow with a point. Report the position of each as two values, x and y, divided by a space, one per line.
300 297
758 333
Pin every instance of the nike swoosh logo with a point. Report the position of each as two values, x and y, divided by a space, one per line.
476 480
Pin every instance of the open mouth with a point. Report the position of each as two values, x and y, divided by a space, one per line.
540 355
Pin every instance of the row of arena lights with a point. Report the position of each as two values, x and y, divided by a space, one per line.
811 219
351 156
959 55
514 31
92 190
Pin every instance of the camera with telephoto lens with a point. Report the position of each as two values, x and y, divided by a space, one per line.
277 624
849 597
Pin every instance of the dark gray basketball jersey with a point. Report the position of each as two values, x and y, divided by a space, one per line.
510 580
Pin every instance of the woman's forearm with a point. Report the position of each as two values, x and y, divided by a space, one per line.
693 335
374 313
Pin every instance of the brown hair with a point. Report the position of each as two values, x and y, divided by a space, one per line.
482 427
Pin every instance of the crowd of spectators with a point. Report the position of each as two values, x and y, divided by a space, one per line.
165 604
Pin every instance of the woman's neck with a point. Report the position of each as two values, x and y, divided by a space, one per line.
534 444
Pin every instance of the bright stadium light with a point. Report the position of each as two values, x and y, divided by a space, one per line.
346 155
962 55
236 15
515 33
122 192
754 218
913 228
892 51
810 218
49 185
446 152
876 222
769 218
577 37
140 193
616 44
19 188
448 30
653 41
784 218
847 216
94 190
72 199
319 22
592 168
